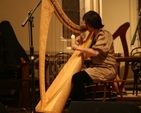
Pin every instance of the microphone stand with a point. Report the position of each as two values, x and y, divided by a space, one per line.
29 19
134 36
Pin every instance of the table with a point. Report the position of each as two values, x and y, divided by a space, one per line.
136 76
128 58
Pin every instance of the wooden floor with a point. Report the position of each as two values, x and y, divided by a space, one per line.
128 97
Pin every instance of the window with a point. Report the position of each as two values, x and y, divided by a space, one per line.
72 10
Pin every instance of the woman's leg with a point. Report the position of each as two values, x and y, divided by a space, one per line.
78 81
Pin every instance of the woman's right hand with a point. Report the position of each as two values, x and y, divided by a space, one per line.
79 39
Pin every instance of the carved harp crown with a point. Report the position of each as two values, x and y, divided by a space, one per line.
54 99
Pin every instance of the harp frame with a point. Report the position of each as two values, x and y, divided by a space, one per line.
59 90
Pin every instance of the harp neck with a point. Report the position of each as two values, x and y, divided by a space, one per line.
65 20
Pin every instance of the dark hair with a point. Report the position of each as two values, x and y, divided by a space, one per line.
93 19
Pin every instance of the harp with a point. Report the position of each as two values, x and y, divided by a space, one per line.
54 99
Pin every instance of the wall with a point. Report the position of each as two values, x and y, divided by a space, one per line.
120 13
15 11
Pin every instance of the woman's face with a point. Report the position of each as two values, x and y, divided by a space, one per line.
89 28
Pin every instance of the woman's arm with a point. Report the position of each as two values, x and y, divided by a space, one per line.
88 51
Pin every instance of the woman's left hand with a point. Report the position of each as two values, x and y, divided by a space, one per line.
75 47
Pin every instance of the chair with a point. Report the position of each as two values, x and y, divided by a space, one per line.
59 61
136 68
116 84
27 80
10 88
36 64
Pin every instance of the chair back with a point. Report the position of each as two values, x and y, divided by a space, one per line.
59 61
36 67
136 51
121 32
136 65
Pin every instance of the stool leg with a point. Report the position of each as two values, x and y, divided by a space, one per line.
110 90
94 91
134 84
104 97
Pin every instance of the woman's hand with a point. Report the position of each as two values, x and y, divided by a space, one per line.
79 39
75 47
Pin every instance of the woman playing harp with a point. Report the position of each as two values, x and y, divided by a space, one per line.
101 53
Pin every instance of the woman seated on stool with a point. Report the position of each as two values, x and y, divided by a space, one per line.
101 53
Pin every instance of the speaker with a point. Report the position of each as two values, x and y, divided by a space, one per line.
102 107
3 109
